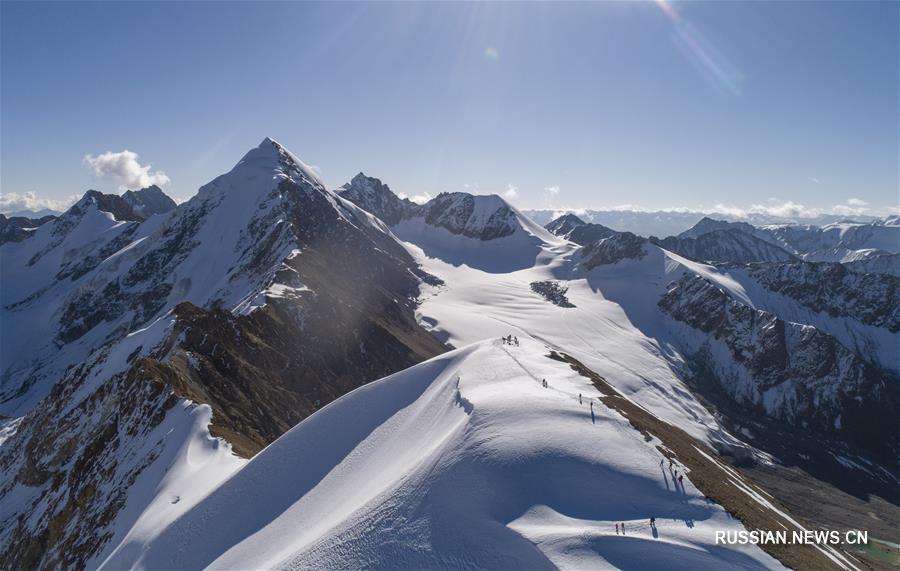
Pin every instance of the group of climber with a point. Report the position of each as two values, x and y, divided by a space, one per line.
621 526
673 471
510 340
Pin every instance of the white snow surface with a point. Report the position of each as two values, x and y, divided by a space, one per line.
615 328
192 464
462 460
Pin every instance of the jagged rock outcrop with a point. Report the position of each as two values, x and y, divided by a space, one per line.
552 292
149 201
620 246
374 196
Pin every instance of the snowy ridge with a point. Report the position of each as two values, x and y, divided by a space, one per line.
465 459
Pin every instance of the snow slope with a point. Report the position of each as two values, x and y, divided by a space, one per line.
463 460
615 327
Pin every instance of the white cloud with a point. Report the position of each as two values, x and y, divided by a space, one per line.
418 198
510 192
124 168
553 190
853 207
787 209
774 208
13 202
814 179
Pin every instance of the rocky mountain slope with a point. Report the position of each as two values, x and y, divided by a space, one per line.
788 371
233 300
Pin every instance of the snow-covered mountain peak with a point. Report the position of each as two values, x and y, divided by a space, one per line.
367 187
707 225
272 157
564 224
485 217
373 196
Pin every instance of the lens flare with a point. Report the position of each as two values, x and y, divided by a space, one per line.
715 69
667 10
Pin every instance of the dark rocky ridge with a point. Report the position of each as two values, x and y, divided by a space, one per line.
375 197
18 228
149 201
479 217
617 247
552 292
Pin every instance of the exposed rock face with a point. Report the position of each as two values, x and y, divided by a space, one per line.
573 228
266 296
564 224
873 299
149 201
72 463
620 246
482 217
479 217
374 196
587 233
552 292
18 228
112 203
725 245
788 371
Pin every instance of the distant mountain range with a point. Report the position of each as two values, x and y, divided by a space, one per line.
673 222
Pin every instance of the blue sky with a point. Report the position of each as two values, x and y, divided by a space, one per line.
554 104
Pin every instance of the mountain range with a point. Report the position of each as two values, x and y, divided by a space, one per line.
278 374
